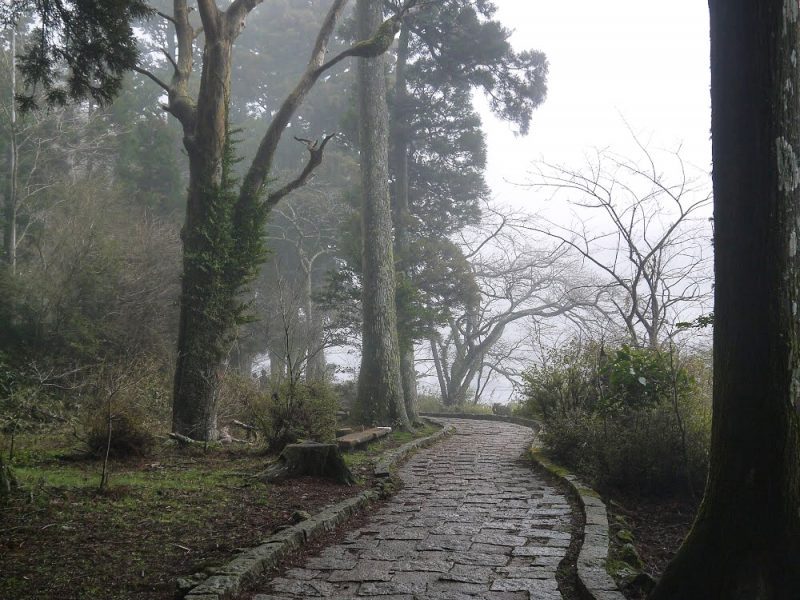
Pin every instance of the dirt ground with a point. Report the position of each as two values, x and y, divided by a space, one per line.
658 527
170 515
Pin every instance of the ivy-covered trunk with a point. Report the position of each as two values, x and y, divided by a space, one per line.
380 390
223 235
745 542
210 280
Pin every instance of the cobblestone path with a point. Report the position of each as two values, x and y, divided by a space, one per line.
472 521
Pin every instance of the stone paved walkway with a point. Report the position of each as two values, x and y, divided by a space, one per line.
472 521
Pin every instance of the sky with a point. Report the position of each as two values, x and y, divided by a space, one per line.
640 62
614 67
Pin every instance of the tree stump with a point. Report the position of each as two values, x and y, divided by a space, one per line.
310 458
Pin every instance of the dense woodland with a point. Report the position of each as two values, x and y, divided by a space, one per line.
209 208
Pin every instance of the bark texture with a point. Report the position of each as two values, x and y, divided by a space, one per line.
380 391
310 458
745 543
401 215
10 200
201 330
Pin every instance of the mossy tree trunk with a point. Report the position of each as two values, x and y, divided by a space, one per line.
380 390
745 542
207 294
223 234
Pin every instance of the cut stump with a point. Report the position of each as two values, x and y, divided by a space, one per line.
310 458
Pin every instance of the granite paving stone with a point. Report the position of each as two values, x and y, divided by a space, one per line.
472 520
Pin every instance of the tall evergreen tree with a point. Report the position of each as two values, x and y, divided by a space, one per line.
745 542
438 154
380 391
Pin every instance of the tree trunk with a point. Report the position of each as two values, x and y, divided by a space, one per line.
401 214
11 196
745 543
380 390
315 361
441 375
277 367
206 292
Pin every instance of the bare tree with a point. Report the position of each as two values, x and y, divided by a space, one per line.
306 233
516 282
296 340
46 149
642 230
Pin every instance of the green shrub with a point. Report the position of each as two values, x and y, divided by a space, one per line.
296 411
629 419
567 380
130 436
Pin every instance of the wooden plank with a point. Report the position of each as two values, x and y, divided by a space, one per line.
358 438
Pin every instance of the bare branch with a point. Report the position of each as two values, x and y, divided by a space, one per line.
152 77
315 150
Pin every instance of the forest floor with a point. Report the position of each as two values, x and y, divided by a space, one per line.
177 512
658 525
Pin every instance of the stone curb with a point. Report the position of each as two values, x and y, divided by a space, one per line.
234 577
593 555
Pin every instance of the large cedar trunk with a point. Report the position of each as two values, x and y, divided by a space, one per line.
380 392
745 543
401 214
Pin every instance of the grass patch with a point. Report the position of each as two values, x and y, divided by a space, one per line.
162 517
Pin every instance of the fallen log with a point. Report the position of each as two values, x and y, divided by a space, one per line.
184 440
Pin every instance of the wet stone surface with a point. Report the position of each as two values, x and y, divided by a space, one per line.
472 521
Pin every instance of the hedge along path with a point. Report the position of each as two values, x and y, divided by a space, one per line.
472 521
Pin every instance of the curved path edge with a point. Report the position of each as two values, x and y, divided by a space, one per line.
593 555
248 566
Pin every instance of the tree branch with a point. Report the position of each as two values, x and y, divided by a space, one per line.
169 18
315 150
152 77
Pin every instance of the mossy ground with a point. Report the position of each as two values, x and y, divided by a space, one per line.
171 514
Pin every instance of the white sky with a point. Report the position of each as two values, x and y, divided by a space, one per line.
641 61
614 64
